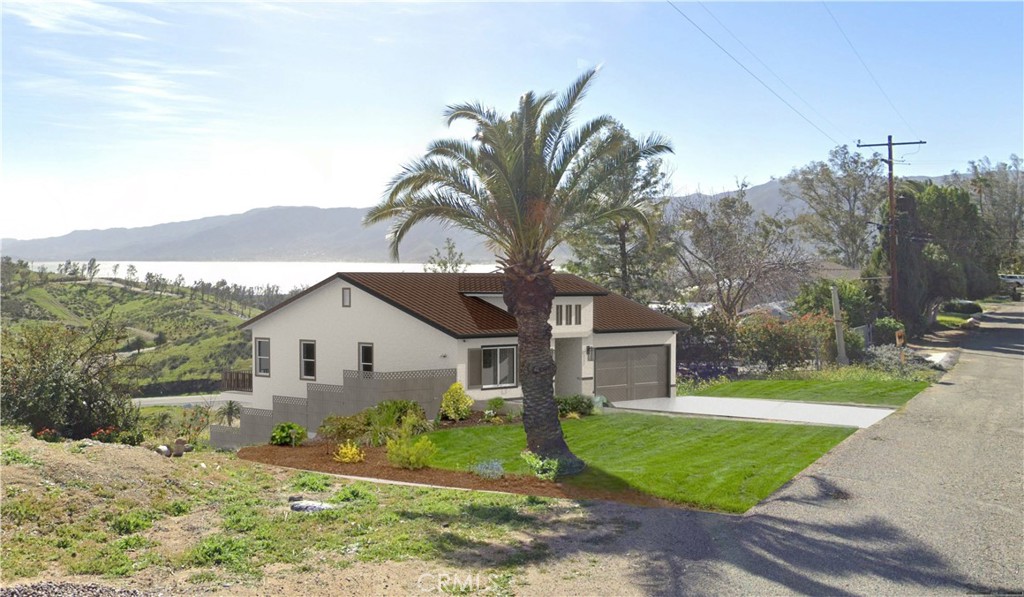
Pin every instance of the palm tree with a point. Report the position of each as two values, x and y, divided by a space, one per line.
525 182
229 412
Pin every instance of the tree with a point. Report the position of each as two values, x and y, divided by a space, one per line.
854 300
67 379
91 269
619 254
998 192
450 262
843 197
525 182
229 412
130 274
731 255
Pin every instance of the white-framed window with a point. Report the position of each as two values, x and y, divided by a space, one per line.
307 359
346 297
262 356
366 357
498 366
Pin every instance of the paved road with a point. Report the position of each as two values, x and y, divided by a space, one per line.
928 501
192 400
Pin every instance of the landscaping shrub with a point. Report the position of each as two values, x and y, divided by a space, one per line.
962 306
496 405
885 330
403 452
456 403
63 379
107 435
766 341
575 403
386 421
543 468
288 434
816 297
349 452
340 428
708 348
691 386
48 435
489 469
887 358
194 420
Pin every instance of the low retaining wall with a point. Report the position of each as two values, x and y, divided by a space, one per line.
362 390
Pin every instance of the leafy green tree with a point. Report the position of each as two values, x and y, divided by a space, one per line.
526 182
998 191
66 379
451 261
854 300
619 254
843 197
732 255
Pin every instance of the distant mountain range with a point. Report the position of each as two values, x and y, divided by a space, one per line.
283 234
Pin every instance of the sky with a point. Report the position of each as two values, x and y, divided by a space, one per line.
133 114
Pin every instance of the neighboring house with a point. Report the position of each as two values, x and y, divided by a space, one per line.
357 338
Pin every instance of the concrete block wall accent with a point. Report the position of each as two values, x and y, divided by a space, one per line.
255 425
290 409
362 390
322 400
225 437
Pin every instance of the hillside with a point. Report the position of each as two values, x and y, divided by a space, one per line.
185 341
270 234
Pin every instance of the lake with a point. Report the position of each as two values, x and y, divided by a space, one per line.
285 274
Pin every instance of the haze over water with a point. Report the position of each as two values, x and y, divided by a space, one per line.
285 274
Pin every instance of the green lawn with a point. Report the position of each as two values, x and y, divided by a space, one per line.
879 393
713 464
953 321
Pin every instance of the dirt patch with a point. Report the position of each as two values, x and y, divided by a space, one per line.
318 456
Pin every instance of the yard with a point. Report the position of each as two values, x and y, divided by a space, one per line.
866 392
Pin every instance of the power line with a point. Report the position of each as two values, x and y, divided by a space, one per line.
868 70
751 73
769 69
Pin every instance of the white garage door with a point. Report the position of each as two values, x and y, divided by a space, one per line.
631 373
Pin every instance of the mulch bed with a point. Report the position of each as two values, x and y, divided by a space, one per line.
318 456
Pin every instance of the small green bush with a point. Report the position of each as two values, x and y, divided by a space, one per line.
49 435
496 404
386 421
130 522
575 403
349 452
885 330
288 434
339 428
456 403
962 306
543 468
404 453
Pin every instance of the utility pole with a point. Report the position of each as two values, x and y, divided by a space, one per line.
893 280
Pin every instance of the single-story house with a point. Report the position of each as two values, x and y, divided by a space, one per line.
357 338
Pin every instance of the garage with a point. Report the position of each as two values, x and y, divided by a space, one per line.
631 373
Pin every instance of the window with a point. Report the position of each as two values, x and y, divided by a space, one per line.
262 356
346 297
366 357
564 314
307 359
498 366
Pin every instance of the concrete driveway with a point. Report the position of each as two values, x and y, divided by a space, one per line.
764 410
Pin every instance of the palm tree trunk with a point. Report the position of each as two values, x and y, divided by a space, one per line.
529 293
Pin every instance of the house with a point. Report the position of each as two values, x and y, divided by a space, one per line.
357 338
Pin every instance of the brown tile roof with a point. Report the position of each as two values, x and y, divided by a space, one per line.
440 300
